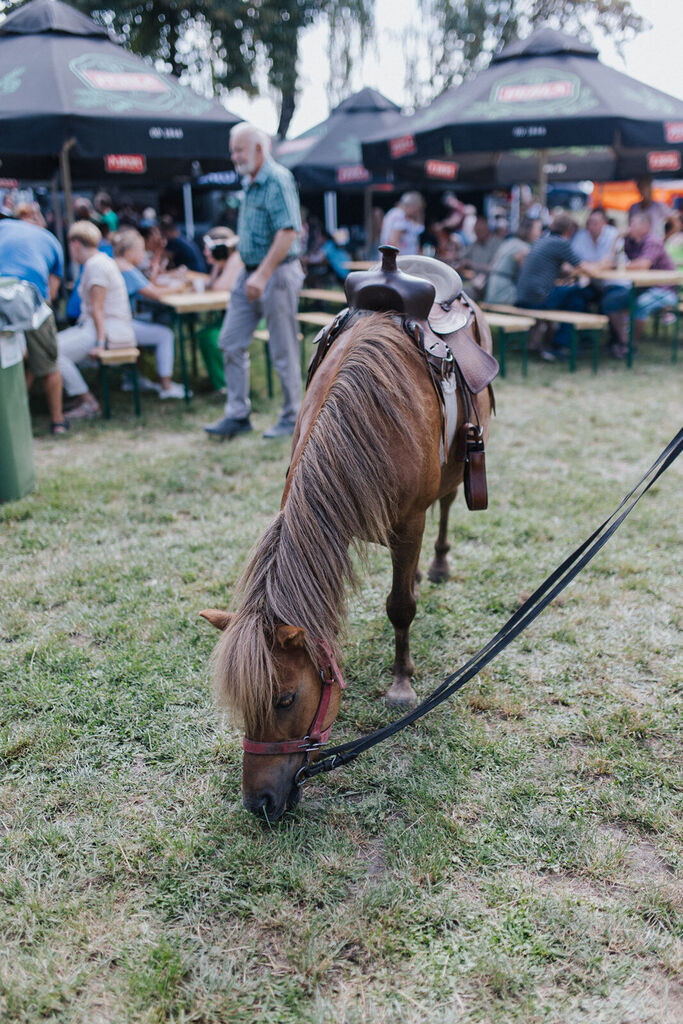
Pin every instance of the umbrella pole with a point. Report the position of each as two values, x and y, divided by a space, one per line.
187 207
57 208
65 171
330 201
542 176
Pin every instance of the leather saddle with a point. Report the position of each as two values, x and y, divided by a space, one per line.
441 321
429 293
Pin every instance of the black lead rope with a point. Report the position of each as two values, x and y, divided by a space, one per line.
553 585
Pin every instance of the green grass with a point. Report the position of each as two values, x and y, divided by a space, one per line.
513 857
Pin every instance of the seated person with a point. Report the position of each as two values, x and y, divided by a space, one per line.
656 211
644 251
31 253
501 286
596 242
105 315
673 238
222 257
330 255
156 259
478 258
181 251
129 252
552 257
224 263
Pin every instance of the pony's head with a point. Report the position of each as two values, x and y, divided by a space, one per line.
282 690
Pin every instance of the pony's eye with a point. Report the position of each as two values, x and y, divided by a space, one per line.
285 700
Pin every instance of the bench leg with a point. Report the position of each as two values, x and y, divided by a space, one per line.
500 337
674 339
104 382
595 339
180 341
631 325
269 369
136 391
572 349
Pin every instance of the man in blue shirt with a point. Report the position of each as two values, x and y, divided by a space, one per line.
595 243
31 253
268 227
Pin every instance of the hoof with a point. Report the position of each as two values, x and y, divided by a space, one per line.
401 697
438 572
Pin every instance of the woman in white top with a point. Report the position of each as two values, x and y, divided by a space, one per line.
105 319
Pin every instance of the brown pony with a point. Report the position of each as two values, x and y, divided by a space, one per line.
365 467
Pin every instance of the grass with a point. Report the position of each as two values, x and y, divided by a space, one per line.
513 857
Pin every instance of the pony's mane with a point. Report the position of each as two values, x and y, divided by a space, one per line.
342 495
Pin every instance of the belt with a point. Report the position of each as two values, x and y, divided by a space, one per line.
251 267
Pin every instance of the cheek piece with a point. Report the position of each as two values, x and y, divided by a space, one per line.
330 674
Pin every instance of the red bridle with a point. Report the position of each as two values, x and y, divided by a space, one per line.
316 736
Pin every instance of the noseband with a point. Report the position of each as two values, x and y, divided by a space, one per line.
316 736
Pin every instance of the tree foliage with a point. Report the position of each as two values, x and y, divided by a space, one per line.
454 39
230 44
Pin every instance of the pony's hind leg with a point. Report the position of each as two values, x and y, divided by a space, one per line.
401 605
439 570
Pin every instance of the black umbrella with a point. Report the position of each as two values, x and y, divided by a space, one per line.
547 93
67 88
328 157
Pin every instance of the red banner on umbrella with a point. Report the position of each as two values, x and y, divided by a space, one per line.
125 163
667 160
444 169
352 173
403 146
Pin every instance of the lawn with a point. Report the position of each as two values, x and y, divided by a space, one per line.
513 857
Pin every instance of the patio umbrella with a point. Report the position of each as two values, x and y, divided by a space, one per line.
69 92
328 156
544 102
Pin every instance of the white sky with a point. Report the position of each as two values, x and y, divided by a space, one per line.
654 57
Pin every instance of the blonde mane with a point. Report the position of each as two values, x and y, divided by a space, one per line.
343 495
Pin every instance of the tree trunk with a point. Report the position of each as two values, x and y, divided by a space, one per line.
287 107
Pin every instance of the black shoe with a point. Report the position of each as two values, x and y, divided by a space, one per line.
229 427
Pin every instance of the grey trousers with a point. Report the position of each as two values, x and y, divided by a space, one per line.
278 305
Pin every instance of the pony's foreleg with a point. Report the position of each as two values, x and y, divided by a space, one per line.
401 604
439 570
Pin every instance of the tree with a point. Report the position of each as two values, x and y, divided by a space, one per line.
454 39
228 44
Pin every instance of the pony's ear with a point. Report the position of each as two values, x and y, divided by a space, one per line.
290 636
218 619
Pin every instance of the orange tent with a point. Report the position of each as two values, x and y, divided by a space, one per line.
621 195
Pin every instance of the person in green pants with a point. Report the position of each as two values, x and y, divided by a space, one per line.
224 265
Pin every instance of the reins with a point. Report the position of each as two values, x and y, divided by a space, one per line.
553 585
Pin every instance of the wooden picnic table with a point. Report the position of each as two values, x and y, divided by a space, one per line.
641 280
361 264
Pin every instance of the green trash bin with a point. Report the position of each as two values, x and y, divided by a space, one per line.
17 468
19 303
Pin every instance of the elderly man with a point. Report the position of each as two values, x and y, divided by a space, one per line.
31 253
644 251
478 258
595 243
268 227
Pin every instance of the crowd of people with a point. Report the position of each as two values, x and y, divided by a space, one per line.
121 258
550 263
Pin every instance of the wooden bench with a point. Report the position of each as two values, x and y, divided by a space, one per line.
503 324
335 296
591 323
122 357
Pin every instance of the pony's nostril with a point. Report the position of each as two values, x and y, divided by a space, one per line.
263 805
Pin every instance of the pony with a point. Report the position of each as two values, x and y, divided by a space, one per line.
367 462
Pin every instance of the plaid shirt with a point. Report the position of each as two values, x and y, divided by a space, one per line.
271 202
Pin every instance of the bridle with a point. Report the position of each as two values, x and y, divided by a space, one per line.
316 736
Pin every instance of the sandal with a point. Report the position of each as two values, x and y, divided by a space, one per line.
58 429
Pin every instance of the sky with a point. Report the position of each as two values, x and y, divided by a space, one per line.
654 57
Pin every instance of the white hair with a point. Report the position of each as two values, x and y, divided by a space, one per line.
256 136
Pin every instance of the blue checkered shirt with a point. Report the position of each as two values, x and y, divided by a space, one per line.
271 202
